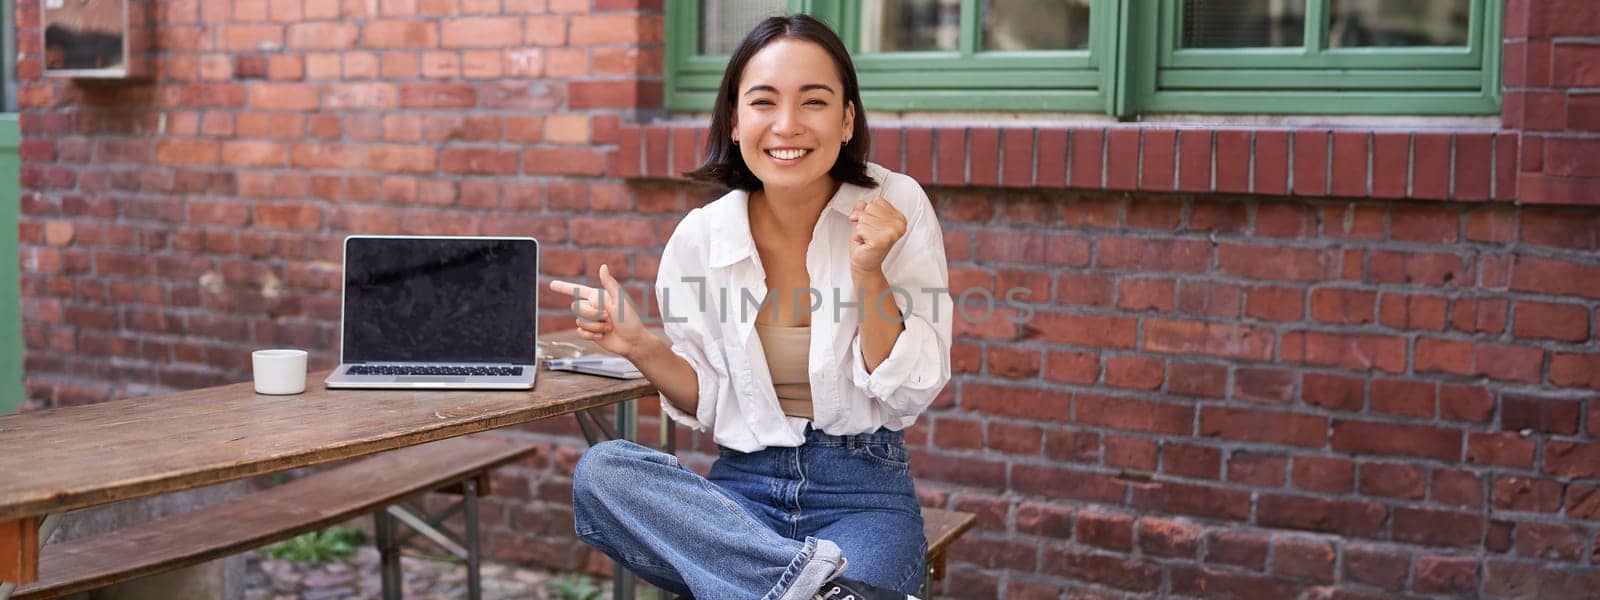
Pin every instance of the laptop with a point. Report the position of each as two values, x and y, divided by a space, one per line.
438 312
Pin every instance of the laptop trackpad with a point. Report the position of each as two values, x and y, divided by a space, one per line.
427 379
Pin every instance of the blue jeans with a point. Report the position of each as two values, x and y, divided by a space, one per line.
770 524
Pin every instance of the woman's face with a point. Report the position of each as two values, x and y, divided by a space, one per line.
791 117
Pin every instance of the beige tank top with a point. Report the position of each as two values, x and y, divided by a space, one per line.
788 352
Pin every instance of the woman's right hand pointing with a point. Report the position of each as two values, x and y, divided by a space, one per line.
604 316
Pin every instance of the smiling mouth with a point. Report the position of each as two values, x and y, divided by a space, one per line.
787 153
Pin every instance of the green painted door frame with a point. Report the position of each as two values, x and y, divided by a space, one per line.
10 284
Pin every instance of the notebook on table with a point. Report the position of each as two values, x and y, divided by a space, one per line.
438 312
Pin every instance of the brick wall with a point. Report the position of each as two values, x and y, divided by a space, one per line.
1262 362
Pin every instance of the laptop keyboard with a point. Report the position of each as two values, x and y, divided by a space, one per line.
436 370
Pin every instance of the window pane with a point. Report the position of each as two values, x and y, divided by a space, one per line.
910 25
1398 22
1033 25
724 23
1243 23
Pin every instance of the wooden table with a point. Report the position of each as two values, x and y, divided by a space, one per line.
59 460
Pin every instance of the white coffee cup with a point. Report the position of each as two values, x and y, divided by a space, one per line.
279 371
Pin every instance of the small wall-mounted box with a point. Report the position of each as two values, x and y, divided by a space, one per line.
96 39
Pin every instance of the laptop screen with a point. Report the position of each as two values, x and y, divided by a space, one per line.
440 300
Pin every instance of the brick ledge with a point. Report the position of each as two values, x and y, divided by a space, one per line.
1469 165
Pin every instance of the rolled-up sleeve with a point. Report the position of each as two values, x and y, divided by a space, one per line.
918 365
680 283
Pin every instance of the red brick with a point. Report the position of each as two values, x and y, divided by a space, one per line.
1550 321
1573 65
1019 160
1430 174
886 148
1333 392
1193 500
1356 351
1105 530
1292 219
1507 362
187 152
1051 166
1140 295
1418 268
983 156
1072 446
1116 252
1066 484
1200 380
569 161
1555 277
1454 575
1345 517
1583 502
1288 264
1263 426
1201 297
1270 386
1086 156
1323 474
1473 166
950 156
1506 153
1264 470
1194 169
1021 440
1479 315
1271 157
1549 541
1170 538
613 94
919 154
1560 228
1525 494
1158 152
1391 480
1130 453
1012 401
1391 153
1349 307
1465 403
1572 459
1420 312
292 217
1381 566
1184 337
1134 415
1013 363
1134 372
958 433
1274 303
1043 520
1427 224
1456 487
1159 213
1404 397
1110 570
1301 558
1122 159
1350 154
1233 157
1424 441
1238 548
1311 162
1575 370
400 34
1505 449
1185 460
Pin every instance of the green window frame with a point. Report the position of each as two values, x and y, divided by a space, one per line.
1133 65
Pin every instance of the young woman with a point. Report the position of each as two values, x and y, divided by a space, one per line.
808 322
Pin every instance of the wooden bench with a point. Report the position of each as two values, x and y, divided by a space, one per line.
371 485
942 528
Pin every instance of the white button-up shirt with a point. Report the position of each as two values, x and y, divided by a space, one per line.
711 285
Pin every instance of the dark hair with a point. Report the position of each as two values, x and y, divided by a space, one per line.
723 163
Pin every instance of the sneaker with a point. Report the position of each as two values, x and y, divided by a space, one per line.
849 589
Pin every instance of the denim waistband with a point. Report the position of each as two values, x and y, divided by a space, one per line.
816 437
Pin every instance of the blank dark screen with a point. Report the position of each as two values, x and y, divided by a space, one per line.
440 300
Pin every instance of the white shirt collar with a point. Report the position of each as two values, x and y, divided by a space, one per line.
730 231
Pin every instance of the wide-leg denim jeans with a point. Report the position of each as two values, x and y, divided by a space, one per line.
771 524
